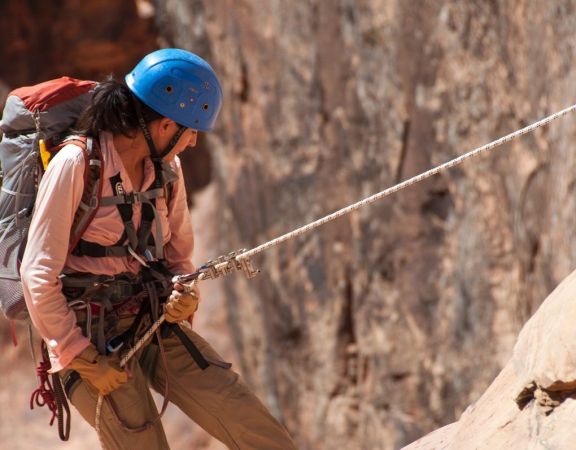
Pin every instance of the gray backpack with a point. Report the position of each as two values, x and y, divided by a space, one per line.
34 123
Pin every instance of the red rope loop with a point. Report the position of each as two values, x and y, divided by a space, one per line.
43 395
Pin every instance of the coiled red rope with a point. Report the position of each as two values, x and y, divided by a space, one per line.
44 395
50 394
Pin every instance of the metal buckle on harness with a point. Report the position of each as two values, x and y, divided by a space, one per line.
132 198
114 344
220 267
104 281
137 257
94 202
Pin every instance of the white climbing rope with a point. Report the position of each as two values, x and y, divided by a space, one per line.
405 184
99 404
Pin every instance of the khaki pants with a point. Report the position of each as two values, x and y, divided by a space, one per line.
214 398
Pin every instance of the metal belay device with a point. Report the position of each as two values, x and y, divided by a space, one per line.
220 267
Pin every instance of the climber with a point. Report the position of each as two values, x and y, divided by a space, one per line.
93 303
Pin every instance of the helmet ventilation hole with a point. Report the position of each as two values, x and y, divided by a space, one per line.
169 89
205 106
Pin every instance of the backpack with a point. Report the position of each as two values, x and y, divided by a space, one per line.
35 122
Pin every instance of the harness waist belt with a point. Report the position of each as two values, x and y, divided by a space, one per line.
115 289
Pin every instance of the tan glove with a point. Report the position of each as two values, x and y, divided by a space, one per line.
102 372
182 303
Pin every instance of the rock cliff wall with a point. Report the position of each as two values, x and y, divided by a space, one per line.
43 40
385 324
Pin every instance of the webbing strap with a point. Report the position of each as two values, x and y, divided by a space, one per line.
144 127
194 351
94 250
174 140
132 198
150 213
145 232
143 240
92 187
62 407
125 210
146 132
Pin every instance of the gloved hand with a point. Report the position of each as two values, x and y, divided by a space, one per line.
102 372
182 303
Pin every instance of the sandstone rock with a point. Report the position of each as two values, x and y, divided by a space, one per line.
43 40
543 370
385 324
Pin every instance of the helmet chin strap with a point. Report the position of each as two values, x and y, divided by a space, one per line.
173 141
154 154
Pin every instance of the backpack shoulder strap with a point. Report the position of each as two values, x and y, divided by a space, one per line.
93 179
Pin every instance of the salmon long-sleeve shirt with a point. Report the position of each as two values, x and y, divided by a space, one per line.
46 255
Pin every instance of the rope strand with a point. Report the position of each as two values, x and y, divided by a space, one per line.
406 183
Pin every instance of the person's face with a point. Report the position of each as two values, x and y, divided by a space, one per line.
165 130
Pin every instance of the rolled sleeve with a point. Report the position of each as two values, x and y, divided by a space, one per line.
178 250
59 195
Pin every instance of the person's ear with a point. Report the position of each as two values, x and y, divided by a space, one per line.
165 124
159 127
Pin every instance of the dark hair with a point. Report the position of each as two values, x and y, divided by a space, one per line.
113 109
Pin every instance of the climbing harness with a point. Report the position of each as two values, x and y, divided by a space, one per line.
97 294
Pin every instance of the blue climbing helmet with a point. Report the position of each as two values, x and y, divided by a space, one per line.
179 85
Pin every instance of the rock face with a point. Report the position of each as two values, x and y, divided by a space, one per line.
383 325
531 403
43 40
